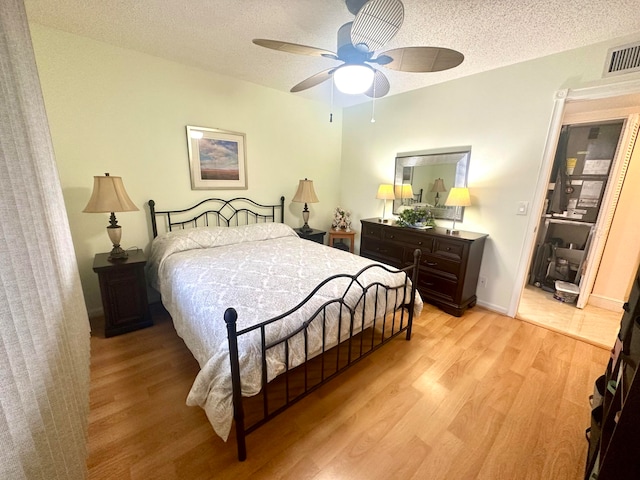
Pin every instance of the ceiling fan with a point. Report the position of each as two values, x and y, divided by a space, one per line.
376 22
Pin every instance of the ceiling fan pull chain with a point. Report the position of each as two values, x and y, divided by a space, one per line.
333 83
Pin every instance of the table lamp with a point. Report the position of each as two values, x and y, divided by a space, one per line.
405 193
305 194
109 196
438 187
458 197
385 192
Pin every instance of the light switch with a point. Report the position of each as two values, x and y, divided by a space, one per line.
523 207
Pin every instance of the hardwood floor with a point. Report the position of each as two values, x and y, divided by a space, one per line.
478 397
591 324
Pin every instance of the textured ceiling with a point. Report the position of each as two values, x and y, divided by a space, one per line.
216 35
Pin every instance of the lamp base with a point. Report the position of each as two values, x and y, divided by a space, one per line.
450 231
306 228
117 254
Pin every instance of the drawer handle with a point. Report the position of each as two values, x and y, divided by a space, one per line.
448 249
392 236
429 284
432 264
419 243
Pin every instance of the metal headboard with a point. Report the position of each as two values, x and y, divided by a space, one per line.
216 212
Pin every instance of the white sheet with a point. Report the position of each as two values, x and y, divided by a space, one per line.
260 270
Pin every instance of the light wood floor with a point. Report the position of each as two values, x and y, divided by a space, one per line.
478 397
591 324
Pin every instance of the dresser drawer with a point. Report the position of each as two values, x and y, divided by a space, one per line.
448 248
408 238
441 264
371 230
384 252
434 285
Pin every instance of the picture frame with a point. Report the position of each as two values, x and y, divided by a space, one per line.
217 159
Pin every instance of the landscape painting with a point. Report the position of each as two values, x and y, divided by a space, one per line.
217 158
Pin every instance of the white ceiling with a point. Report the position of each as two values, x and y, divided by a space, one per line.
216 34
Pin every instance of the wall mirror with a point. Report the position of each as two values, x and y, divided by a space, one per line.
425 177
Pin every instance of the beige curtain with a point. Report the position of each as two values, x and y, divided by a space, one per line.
44 330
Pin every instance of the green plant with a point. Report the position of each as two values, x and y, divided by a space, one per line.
416 216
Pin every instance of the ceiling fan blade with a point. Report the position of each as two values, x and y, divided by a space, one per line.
422 59
294 48
313 80
380 86
376 23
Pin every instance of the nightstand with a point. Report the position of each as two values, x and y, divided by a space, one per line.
314 235
124 292
342 235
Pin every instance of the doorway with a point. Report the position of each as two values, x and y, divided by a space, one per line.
593 323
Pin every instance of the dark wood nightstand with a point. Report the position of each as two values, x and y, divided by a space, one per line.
124 293
314 235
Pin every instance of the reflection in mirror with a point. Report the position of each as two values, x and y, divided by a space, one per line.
425 178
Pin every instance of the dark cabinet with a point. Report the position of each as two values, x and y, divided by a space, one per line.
449 266
614 447
313 235
123 288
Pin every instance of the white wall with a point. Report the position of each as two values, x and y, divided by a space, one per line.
119 111
504 115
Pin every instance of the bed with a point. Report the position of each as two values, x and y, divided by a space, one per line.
268 316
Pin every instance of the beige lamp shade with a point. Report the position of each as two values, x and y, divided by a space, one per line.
438 186
404 191
458 197
108 196
305 192
385 192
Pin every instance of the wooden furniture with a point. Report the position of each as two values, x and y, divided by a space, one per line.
614 448
370 313
314 235
449 266
342 235
123 287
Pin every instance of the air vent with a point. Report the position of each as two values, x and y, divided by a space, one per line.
623 59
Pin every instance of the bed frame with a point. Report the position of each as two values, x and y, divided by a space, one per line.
296 383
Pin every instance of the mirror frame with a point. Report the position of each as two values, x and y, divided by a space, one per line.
457 155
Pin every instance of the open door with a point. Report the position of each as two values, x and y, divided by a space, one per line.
609 203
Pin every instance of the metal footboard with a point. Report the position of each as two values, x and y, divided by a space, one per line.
361 336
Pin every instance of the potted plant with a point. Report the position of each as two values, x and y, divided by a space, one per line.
416 217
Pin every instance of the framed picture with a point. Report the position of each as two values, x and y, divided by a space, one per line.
217 159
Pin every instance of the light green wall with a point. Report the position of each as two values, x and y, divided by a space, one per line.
119 111
504 114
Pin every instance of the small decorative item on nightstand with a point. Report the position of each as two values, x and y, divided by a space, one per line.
341 219
123 287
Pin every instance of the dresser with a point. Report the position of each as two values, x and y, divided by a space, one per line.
449 266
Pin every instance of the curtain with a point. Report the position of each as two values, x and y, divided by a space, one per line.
44 329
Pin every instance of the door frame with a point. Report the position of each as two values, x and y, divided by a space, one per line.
560 99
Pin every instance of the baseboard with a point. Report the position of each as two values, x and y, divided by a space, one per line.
492 307
605 303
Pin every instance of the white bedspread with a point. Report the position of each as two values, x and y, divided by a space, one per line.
262 271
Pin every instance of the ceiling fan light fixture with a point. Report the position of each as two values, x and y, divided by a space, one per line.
353 79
